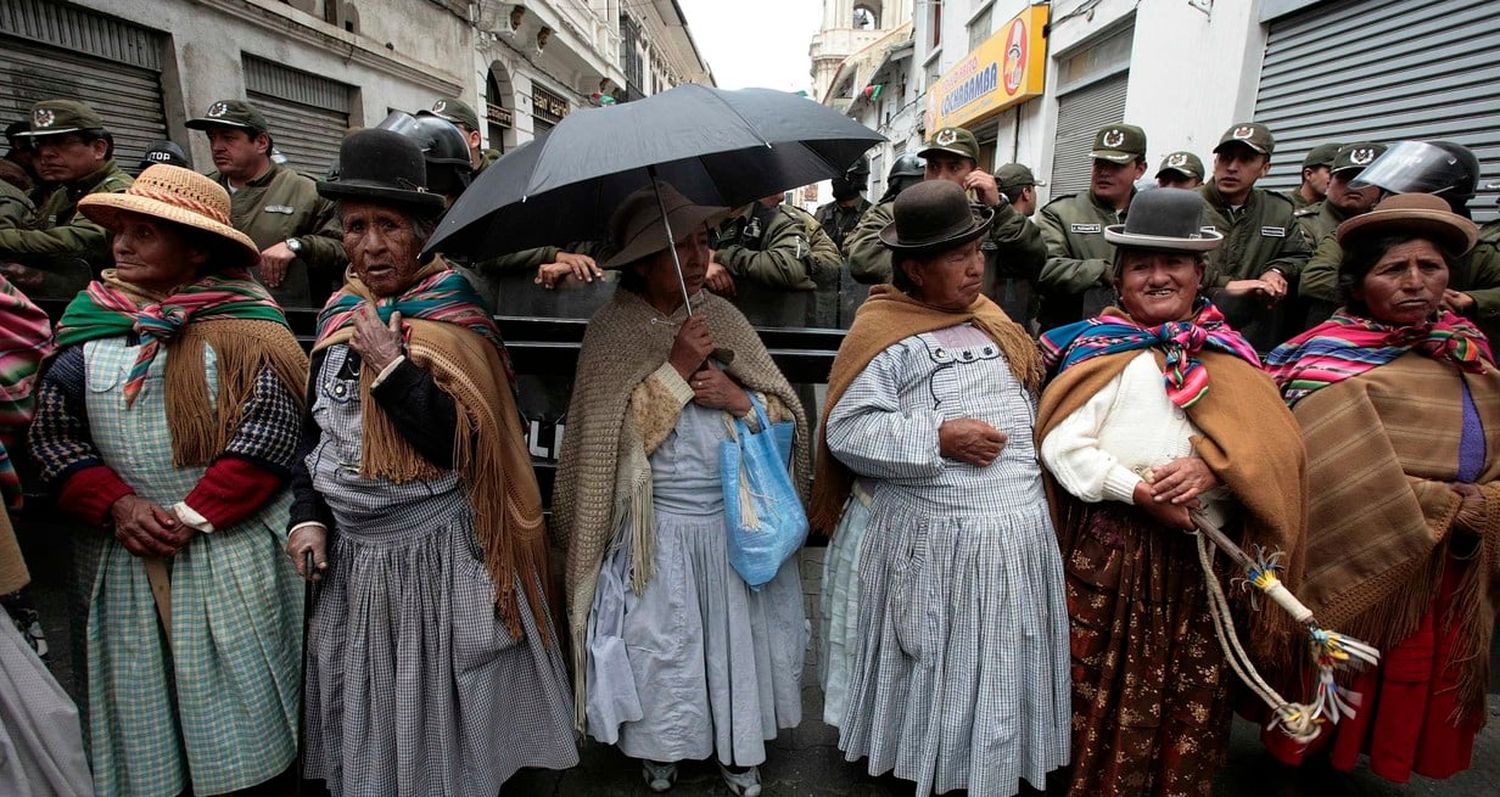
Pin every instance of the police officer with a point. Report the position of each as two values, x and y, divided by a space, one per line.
458 112
1342 201
1315 170
1180 170
16 209
21 151
1264 249
166 152
1013 249
842 215
906 171
64 249
302 250
774 245
1075 282
1018 185
1445 169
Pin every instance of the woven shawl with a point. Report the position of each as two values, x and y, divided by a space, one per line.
1249 441
885 319
1383 449
604 477
489 452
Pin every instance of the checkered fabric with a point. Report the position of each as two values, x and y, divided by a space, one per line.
961 679
216 709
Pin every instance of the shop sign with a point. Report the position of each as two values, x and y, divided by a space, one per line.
1009 68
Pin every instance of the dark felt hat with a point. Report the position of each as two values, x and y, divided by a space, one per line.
382 166
933 216
1164 218
231 113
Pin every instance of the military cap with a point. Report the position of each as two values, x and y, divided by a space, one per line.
1356 157
1321 155
1184 163
454 110
55 117
1254 135
953 141
1013 175
1119 143
231 113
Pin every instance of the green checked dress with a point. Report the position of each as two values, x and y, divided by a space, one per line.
216 708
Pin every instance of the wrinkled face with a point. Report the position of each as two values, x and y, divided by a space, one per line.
65 158
383 244
1406 284
1158 286
1317 178
1177 180
661 287
1112 182
154 254
951 280
1350 201
944 166
1237 167
237 154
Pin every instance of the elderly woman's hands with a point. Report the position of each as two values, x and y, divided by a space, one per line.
146 529
717 390
378 344
691 347
1181 481
309 537
1173 516
970 440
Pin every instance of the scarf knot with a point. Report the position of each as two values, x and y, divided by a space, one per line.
1114 332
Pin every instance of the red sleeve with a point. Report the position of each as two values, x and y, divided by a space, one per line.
88 494
231 490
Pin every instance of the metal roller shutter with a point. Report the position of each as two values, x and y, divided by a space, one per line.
1402 70
308 114
56 51
1080 114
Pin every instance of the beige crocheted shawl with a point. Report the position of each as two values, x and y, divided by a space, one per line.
604 477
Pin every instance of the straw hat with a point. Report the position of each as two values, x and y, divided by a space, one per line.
180 196
636 229
1424 215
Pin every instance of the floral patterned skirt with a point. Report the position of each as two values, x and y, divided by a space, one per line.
1151 709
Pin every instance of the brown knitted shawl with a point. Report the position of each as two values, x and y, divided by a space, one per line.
886 318
489 455
604 477
1382 453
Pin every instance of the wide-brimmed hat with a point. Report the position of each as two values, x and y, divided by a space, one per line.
1164 218
635 228
933 216
181 196
382 166
1423 215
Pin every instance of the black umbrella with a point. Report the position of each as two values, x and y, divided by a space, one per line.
718 147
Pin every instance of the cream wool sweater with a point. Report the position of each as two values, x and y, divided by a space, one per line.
1098 452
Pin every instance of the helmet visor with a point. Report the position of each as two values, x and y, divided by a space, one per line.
1413 167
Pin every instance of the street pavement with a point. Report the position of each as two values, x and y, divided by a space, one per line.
805 761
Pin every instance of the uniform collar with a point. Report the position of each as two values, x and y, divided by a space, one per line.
83 186
1216 199
1109 208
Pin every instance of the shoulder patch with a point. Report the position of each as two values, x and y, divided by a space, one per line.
1057 199
1280 196
1310 210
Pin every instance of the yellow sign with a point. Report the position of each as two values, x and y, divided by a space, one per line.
1009 68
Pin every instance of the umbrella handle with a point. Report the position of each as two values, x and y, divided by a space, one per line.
661 203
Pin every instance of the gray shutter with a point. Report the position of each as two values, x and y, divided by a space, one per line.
308 114
56 51
1080 114
1384 70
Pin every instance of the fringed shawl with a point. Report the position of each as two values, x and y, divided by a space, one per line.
1383 450
887 318
604 477
489 452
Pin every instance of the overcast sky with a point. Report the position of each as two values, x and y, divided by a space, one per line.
755 42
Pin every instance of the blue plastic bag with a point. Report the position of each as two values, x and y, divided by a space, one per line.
761 508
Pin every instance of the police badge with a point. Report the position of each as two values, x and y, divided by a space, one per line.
1362 156
218 109
1113 138
1177 159
1243 132
441 106
945 137
44 117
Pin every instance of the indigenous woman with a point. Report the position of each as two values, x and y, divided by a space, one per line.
1399 403
168 420
676 657
1157 408
959 676
434 667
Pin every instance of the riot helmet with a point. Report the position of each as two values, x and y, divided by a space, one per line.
449 170
1442 168
906 171
852 182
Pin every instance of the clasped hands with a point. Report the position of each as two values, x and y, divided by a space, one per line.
1169 493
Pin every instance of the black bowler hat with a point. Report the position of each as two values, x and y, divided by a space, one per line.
382 166
933 216
1165 218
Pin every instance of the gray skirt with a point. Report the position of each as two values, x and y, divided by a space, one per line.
414 686
961 677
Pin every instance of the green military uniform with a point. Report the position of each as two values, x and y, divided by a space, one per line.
869 260
839 220
1321 156
486 157
16 210
1318 220
783 248
1490 232
279 206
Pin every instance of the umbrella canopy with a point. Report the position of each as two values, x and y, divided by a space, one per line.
716 146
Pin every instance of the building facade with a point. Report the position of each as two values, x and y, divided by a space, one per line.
1313 70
